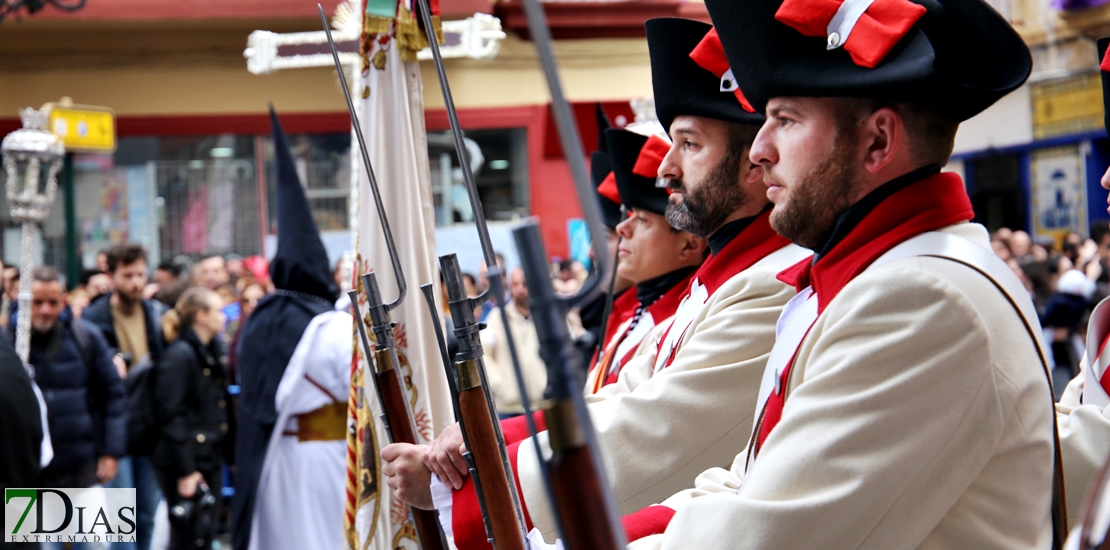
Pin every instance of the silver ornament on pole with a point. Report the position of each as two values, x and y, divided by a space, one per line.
32 158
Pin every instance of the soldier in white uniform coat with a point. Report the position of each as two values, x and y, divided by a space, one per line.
675 412
1083 413
906 403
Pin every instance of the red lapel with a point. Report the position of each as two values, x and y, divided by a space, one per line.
661 310
754 243
932 203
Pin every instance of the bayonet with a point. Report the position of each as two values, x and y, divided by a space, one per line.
478 421
396 414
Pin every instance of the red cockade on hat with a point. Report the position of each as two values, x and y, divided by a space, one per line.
1105 64
608 188
866 29
709 54
651 158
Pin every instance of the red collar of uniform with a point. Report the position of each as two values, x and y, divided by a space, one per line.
667 304
624 306
931 203
745 249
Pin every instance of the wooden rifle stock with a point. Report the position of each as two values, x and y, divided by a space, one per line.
584 506
576 483
398 420
396 410
479 425
482 444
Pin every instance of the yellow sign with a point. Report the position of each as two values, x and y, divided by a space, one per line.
84 129
1069 106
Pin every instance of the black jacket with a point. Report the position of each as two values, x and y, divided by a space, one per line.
20 422
191 392
86 401
99 313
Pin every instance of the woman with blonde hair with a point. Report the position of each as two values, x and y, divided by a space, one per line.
191 393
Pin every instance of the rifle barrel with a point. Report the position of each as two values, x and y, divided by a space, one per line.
398 422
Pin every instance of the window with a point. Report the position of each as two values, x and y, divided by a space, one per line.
499 159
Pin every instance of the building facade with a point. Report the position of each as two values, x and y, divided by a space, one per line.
1034 160
192 174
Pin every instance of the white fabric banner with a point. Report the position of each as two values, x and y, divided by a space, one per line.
392 117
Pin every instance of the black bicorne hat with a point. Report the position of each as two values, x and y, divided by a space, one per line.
955 56
681 85
636 159
1104 69
601 169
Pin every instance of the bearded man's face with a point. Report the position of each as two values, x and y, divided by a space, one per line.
708 174
808 155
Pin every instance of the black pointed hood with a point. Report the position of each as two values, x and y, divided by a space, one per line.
301 262
271 333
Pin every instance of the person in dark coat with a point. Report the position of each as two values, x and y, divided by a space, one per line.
128 267
191 393
85 398
301 273
20 428
20 422
133 328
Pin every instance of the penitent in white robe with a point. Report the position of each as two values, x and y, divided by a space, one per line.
301 490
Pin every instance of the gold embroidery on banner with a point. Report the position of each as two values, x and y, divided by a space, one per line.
407 533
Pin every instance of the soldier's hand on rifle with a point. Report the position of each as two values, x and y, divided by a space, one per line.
406 474
445 457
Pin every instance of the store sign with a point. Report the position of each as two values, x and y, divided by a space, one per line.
1068 106
1059 192
84 129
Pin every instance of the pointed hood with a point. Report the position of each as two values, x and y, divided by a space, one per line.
301 261
271 333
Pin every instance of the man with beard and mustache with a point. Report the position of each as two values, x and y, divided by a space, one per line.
685 406
906 403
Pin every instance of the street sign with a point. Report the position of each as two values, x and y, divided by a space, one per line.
83 128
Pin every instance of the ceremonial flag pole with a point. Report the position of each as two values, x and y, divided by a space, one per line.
392 118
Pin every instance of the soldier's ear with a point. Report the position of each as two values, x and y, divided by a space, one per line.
693 247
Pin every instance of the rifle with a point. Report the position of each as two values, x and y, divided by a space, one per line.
609 299
396 415
477 406
486 455
583 501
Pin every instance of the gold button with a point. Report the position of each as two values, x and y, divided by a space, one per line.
222 403
223 426
208 372
200 438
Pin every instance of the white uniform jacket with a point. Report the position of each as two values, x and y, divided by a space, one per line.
917 415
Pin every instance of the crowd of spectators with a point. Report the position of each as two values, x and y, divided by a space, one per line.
89 336
1065 279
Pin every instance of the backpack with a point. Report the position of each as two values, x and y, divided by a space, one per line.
143 428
